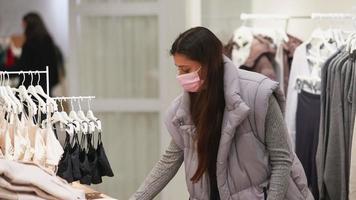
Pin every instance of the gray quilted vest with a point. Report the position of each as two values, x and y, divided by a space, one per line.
243 168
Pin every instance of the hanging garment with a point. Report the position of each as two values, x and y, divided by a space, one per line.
20 143
246 49
65 164
352 185
307 133
85 169
69 165
74 157
39 156
54 149
93 161
103 162
262 57
299 68
23 130
288 54
332 141
7 143
336 122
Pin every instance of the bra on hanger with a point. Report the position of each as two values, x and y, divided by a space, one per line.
103 162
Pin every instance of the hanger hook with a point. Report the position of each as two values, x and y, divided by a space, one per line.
31 77
89 104
39 77
61 101
79 100
8 79
1 78
71 104
23 77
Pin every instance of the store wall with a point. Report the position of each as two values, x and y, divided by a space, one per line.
223 17
54 13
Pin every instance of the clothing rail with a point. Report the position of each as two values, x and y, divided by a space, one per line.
333 16
60 99
251 16
73 98
247 16
287 18
32 72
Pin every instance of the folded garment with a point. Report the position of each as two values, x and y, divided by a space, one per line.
10 195
31 174
24 189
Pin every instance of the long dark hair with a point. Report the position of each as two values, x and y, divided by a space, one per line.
35 27
207 106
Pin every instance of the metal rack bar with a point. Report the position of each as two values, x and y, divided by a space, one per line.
32 72
73 98
252 16
340 16
249 16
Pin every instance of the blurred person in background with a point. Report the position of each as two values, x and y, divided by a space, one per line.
39 51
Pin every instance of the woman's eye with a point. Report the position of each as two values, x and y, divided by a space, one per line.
186 71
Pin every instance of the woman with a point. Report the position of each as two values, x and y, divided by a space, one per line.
40 51
227 128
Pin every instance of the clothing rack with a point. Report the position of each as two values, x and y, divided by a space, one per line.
318 16
252 16
333 16
60 99
32 72
73 98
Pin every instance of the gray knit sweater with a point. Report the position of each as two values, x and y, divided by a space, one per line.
276 143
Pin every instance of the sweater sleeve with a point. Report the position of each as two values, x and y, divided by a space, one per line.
279 151
161 174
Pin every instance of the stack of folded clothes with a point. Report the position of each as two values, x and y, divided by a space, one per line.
31 182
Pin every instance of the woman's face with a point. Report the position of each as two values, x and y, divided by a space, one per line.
186 65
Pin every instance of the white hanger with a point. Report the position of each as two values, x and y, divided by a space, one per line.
8 102
57 117
77 120
90 113
12 96
32 90
353 43
74 119
25 97
243 37
349 42
95 122
64 113
82 116
14 105
70 126
39 90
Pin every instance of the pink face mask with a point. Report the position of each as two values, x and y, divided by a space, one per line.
191 81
